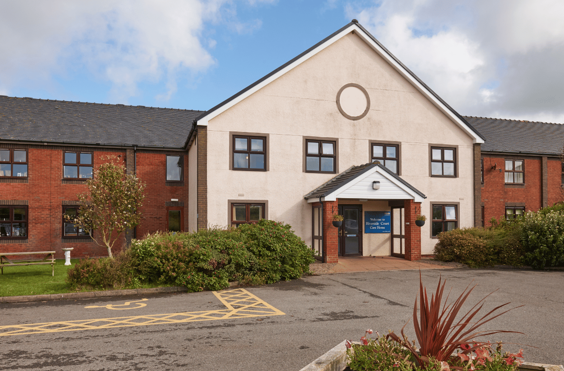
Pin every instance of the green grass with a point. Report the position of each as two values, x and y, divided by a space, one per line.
37 280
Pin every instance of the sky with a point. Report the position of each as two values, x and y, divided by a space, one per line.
501 58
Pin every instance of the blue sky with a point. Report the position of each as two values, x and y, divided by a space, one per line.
499 59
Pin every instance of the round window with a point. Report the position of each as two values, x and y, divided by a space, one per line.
353 101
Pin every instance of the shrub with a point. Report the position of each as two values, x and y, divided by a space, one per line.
543 238
480 247
260 253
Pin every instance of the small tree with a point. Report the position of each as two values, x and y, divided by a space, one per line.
111 204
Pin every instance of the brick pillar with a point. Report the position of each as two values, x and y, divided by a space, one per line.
412 232
202 177
331 237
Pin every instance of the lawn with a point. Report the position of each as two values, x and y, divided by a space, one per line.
37 280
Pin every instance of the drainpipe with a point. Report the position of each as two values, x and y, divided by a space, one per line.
321 199
135 173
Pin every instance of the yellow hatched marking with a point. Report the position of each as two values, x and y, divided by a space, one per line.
239 302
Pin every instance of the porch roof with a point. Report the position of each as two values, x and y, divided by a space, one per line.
356 183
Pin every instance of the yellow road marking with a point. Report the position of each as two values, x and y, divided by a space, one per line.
239 302
120 306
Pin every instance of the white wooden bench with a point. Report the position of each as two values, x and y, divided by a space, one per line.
6 262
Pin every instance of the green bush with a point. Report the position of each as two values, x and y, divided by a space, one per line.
543 238
260 253
480 247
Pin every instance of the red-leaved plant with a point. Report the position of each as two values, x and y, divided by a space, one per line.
437 332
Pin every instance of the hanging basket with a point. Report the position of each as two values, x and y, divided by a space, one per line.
337 223
420 223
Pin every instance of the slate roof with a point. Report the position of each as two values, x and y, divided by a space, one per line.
519 136
348 175
39 120
353 22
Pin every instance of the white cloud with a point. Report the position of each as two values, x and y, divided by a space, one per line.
124 42
484 58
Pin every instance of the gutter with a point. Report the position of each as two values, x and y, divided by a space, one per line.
88 145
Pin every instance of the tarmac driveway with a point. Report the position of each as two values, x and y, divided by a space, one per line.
277 327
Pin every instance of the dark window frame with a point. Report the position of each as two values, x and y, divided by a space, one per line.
75 207
321 155
236 223
514 171
385 153
443 161
178 182
444 220
249 152
13 221
514 208
78 164
12 163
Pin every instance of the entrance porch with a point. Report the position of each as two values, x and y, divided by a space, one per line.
379 210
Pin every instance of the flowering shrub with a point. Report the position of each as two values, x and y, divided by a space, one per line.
543 239
260 253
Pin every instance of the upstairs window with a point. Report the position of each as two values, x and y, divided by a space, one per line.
445 218
174 168
249 153
387 155
514 172
245 213
13 163
77 165
320 156
513 212
443 161
70 230
13 222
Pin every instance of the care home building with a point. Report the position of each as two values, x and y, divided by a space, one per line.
344 128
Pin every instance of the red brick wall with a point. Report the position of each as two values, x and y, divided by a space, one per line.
45 193
555 191
331 238
151 169
496 194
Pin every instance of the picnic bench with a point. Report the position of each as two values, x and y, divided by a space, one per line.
6 262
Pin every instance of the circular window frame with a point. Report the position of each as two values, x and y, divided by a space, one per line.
354 118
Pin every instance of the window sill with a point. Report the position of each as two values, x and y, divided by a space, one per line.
175 184
239 169
514 185
74 181
14 241
76 240
444 176
14 180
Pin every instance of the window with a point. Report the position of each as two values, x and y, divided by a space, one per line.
249 153
70 230
445 218
443 162
513 212
13 222
514 172
174 220
13 163
387 155
77 165
174 168
246 213
320 156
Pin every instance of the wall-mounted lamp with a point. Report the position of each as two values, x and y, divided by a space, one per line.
376 185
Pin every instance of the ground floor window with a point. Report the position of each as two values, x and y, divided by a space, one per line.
445 218
513 212
317 229
13 222
69 228
245 213
174 220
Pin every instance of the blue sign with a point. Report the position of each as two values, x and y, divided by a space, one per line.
377 222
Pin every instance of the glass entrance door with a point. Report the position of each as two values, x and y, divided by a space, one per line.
350 233
398 243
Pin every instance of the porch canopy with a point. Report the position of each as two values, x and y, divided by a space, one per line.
358 182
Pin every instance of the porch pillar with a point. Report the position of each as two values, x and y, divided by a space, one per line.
412 231
331 237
